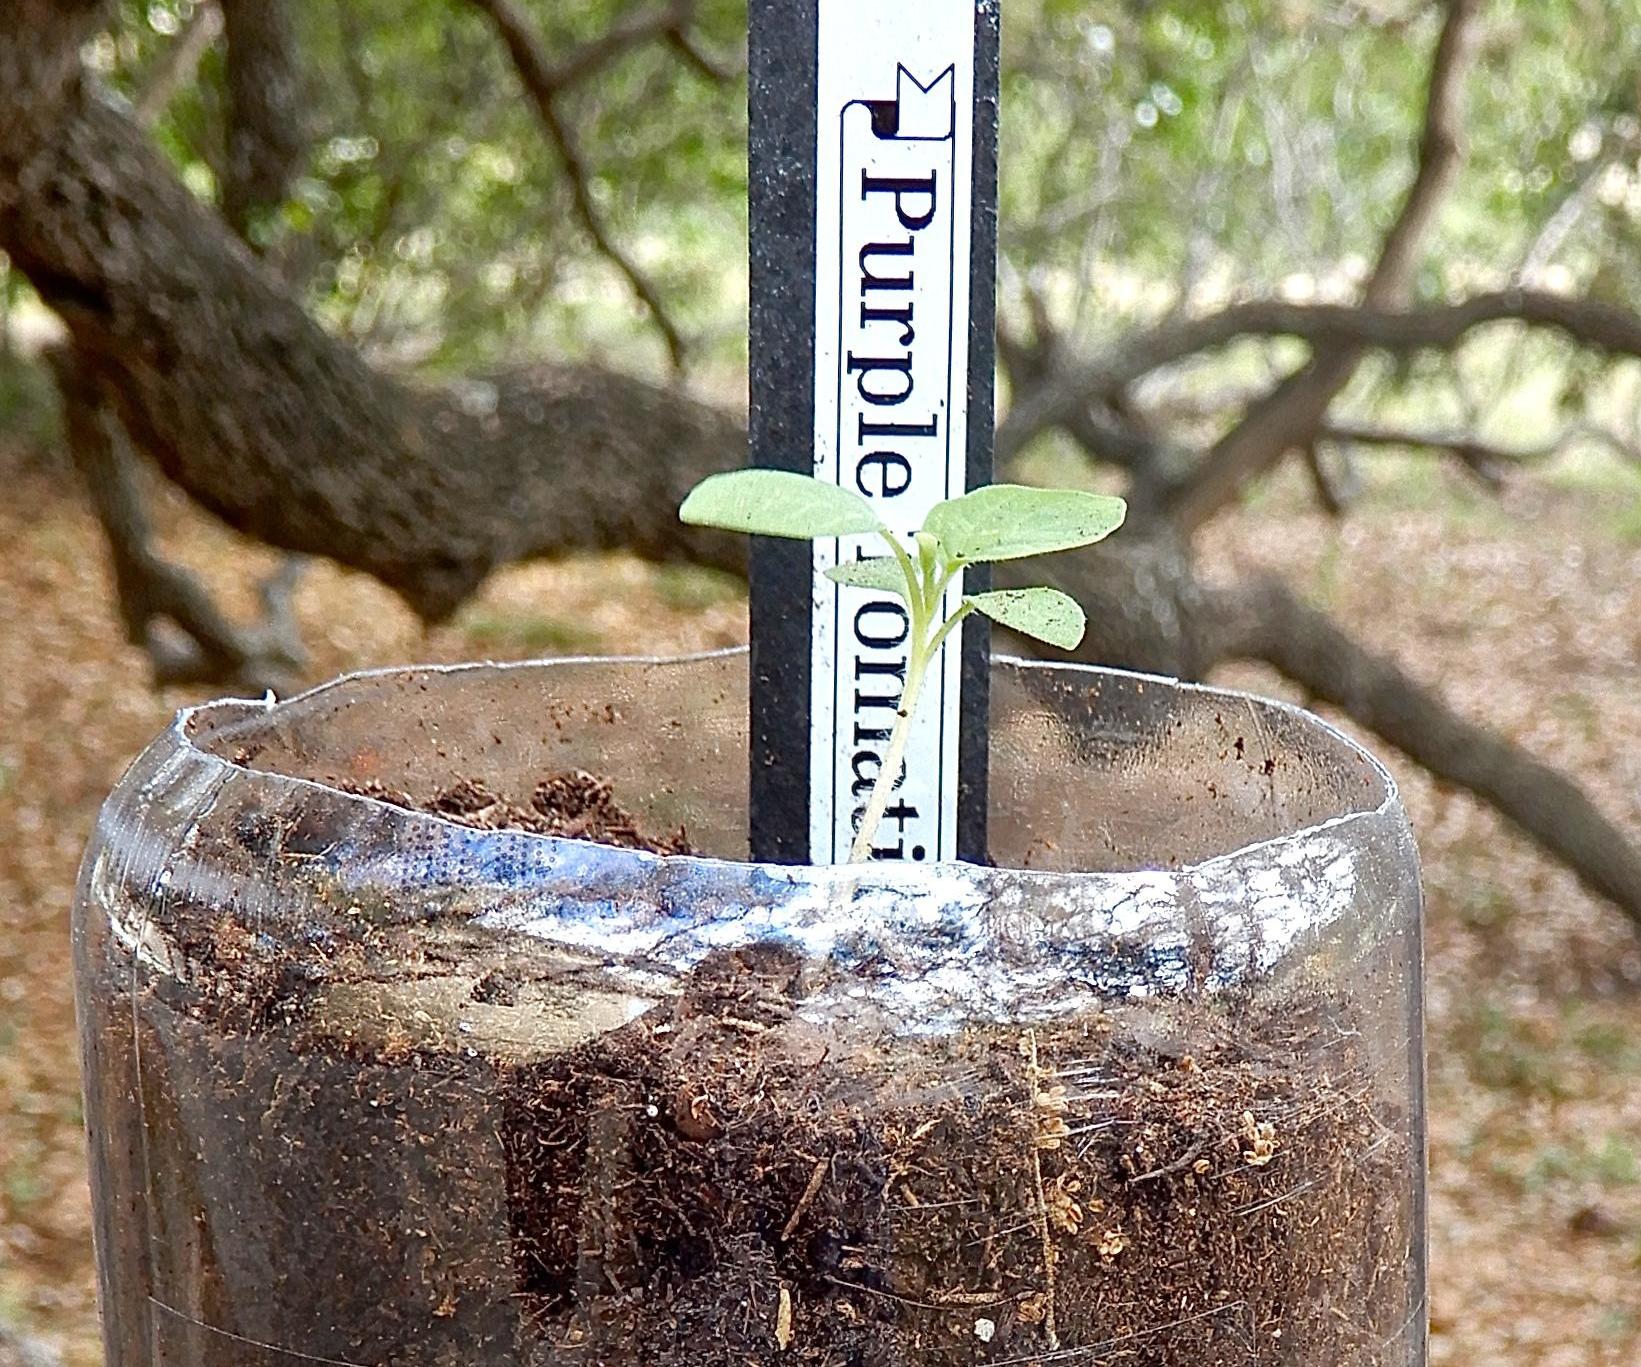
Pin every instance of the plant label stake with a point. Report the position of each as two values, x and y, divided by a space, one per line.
872 175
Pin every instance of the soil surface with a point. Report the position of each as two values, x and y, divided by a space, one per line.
574 804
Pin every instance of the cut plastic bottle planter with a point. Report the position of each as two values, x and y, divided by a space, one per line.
369 1086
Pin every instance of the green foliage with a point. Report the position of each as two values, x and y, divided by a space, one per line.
1614 1163
527 632
29 412
692 588
1155 155
1509 1054
1000 522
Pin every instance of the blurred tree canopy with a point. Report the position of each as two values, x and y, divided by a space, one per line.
1154 156
437 285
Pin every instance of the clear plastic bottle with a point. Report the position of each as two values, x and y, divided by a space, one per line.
371 1085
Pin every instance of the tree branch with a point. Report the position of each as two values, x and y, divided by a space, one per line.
706 66
267 117
1265 621
1289 415
165 609
597 53
1489 464
1337 483
593 224
1104 434
178 64
544 82
546 79
1590 323
40 73
285 433
1440 154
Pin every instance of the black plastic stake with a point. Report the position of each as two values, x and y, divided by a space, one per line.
873 197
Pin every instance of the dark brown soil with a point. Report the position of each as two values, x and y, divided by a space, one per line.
451 1153
1037 1195
574 804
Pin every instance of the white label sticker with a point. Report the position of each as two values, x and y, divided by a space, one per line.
895 131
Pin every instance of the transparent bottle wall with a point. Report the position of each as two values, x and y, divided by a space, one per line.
366 1085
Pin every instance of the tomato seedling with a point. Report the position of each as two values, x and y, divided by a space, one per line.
998 522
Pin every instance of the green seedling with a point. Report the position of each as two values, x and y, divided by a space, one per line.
999 522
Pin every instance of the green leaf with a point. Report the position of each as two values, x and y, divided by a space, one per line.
880 572
778 503
1047 614
1010 521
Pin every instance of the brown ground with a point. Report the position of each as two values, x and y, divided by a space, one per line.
1527 614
